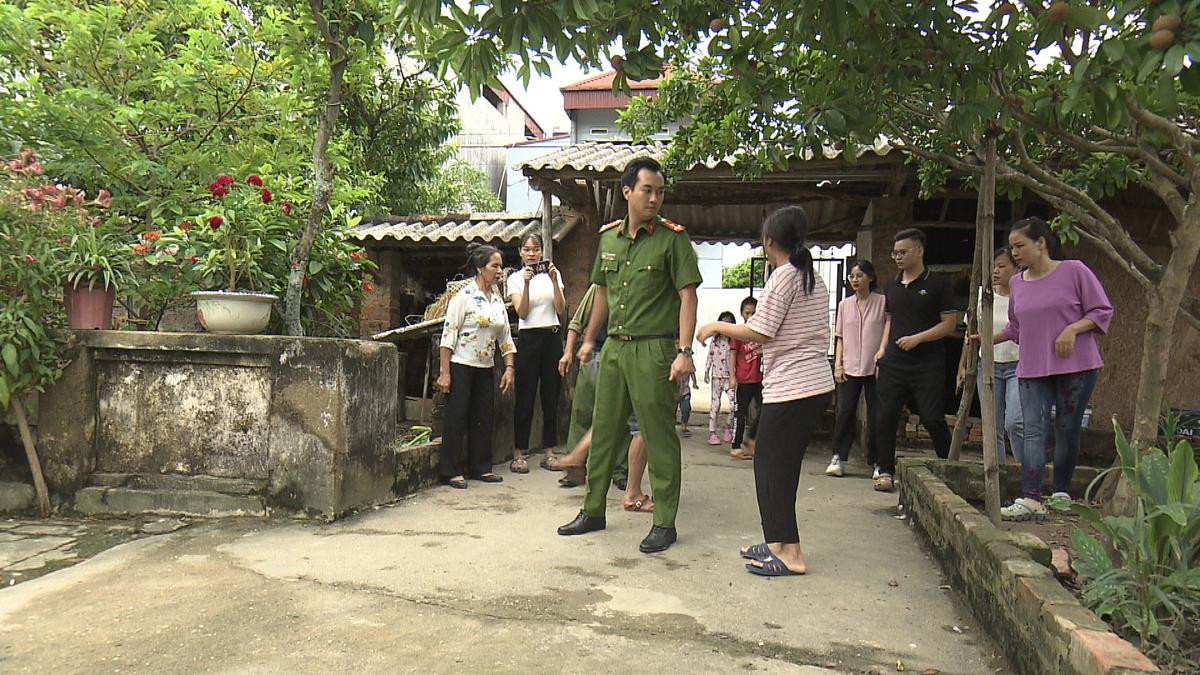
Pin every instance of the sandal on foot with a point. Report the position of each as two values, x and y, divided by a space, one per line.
741 454
1024 508
771 566
456 483
519 465
575 476
756 552
550 463
645 505
884 483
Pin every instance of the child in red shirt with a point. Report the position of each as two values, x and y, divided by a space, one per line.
747 378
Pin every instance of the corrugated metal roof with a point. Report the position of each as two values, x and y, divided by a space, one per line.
488 227
604 82
606 156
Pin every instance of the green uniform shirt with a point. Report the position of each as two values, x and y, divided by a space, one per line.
583 314
644 275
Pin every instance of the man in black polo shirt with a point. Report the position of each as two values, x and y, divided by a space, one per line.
911 358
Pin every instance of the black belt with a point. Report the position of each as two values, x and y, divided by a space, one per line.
553 329
632 338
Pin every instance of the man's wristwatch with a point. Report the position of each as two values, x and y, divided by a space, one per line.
686 351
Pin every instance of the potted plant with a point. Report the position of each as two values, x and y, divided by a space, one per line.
236 234
95 256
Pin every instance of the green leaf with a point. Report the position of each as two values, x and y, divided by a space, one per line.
1183 474
10 359
1173 61
1190 79
1114 48
1093 559
1166 94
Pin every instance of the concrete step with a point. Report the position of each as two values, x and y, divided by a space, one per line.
167 481
97 500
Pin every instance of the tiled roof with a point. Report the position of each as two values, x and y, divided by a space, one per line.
487 227
604 82
604 156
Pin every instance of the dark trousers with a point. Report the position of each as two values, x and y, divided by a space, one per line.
746 393
925 386
538 352
783 433
468 416
847 416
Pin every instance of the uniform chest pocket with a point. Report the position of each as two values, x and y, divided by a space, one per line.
608 266
648 268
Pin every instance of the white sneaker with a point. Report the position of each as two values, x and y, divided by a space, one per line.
876 474
1061 495
835 467
1024 508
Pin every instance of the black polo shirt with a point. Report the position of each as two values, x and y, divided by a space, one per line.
914 308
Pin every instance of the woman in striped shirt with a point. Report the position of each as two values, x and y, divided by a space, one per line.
792 324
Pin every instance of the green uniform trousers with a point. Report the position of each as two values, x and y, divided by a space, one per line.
582 406
635 377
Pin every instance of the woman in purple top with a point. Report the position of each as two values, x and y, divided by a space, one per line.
1056 309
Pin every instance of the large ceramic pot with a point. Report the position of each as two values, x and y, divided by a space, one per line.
233 312
89 307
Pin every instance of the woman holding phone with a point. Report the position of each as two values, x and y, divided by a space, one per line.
536 291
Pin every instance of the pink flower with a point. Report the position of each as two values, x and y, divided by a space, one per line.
186 225
357 255
141 249
152 235
266 196
60 240
254 180
286 207
30 259
368 286
193 260
215 222
218 189
225 180
104 199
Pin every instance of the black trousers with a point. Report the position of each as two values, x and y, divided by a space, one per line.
468 416
784 430
847 416
924 385
538 352
741 417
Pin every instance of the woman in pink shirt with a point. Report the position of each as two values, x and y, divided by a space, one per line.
1056 310
792 324
858 332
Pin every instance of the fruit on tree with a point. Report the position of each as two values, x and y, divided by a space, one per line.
1165 22
1162 39
718 24
618 61
1058 11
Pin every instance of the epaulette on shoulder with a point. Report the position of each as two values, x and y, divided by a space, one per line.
615 223
672 225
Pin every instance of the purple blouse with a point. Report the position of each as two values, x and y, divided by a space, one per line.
1039 310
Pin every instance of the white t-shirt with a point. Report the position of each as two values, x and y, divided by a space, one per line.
1008 351
541 298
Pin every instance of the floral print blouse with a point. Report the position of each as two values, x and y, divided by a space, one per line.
717 367
474 326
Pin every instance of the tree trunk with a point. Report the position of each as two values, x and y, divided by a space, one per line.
35 465
322 191
1162 312
968 390
984 233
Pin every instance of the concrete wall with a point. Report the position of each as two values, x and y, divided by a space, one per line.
601 125
312 419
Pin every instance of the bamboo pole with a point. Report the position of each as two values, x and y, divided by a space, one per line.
35 465
985 233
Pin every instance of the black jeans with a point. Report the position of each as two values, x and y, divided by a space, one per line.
468 415
745 393
847 417
538 352
783 433
925 385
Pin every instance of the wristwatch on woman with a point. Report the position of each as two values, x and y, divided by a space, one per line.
686 351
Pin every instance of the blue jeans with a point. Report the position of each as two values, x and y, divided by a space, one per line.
1008 409
1069 394
685 409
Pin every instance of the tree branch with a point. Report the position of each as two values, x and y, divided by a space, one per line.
1182 144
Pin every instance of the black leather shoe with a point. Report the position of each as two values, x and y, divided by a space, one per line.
621 483
582 524
659 539
488 478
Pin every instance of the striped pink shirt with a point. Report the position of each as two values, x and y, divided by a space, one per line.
795 359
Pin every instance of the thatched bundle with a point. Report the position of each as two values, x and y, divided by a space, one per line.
437 310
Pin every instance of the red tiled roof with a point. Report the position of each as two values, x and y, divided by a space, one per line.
604 82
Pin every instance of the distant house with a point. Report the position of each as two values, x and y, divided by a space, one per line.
490 125
593 107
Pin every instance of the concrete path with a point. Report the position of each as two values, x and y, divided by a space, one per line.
450 581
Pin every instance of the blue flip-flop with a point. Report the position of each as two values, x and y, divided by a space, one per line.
756 552
772 566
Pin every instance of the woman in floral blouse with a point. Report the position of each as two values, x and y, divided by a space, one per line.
476 321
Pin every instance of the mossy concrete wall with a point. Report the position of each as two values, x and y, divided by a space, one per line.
313 419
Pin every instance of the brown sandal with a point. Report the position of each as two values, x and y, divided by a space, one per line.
550 463
741 454
641 506
518 465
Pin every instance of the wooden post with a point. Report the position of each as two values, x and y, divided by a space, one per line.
35 465
426 418
985 231
547 225
968 389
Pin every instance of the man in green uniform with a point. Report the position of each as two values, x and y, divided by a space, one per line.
646 273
